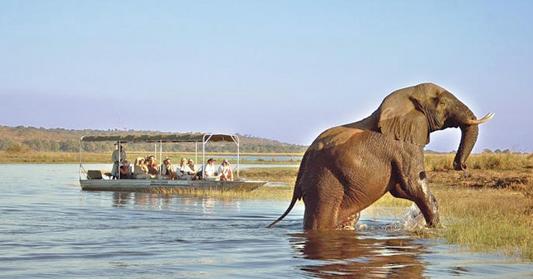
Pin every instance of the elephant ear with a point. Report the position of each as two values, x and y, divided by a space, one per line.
401 118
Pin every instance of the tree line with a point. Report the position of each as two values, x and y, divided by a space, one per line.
25 139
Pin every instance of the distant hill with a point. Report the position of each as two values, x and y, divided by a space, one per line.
67 140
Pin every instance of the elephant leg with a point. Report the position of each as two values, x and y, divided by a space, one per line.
417 190
322 198
321 215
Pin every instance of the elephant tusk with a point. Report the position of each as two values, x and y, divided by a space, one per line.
485 118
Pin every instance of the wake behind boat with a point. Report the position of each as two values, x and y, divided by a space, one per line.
163 177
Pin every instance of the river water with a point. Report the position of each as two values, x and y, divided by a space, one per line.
49 228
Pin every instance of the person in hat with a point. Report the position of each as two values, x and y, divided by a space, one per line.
225 172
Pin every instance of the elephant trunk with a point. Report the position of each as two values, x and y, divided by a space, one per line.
469 133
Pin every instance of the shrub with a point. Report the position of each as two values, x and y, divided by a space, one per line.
17 148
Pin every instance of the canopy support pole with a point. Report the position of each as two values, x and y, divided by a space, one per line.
79 172
203 157
238 158
160 156
204 141
119 159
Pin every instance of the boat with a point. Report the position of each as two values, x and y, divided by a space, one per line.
98 180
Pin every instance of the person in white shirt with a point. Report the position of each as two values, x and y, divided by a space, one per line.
210 170
191 166
184 171
184 168
225 172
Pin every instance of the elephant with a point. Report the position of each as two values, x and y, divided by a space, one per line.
349 167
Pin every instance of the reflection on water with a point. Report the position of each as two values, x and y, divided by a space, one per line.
158 201
344 253
50 228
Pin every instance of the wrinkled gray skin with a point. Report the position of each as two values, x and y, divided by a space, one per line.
411 114
349 167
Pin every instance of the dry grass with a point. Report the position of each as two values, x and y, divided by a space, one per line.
286 176
434 162
484 161
264 193
488 219
485 210
30 157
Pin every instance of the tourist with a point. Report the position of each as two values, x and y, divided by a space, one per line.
125 170
225 172
151 164
140 171
117 157
184 171
182 167
209 171
185 168
192 167
167 170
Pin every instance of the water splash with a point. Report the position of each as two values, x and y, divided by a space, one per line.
413 219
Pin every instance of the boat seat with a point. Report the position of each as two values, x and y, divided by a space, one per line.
94 174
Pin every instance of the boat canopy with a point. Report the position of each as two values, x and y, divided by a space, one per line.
186 137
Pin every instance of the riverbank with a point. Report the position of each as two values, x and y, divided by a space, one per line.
483 210
434 162
34 157
489 207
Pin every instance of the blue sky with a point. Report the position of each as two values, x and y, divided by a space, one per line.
278 69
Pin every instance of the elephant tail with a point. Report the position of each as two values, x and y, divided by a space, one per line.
293 202
298 193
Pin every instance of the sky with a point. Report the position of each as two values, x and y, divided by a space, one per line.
284 70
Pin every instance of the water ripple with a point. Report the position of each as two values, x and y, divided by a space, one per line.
51 229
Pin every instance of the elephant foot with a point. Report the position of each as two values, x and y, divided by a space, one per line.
349 225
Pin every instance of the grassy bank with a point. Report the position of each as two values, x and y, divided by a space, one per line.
434 162
489 208
488 219
283 175
33 157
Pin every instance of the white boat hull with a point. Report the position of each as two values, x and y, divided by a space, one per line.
146 185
